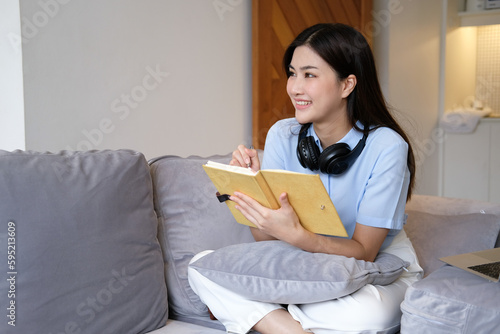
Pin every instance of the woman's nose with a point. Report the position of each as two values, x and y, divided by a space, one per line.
295 86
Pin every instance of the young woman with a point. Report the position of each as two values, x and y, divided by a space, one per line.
343 131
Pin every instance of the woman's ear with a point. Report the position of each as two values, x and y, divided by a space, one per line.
349 85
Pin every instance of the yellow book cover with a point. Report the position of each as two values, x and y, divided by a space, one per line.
306 194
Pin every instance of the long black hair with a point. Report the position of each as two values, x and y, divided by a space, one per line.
347 52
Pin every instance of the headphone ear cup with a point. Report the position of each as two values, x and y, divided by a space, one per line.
335 159
308 153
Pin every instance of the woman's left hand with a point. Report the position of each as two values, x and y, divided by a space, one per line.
282 224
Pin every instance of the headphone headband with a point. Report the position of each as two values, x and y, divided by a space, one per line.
334 159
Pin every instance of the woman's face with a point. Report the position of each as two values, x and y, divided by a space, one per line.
314 88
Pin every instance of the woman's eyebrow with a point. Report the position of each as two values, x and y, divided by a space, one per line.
303 68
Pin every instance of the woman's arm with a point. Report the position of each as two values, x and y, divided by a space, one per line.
364 244
283 224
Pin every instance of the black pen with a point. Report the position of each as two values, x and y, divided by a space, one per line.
250 163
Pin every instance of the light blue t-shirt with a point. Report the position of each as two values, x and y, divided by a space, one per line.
371 192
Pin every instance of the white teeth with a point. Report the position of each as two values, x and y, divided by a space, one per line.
303 103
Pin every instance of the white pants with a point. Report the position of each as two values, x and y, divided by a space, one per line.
372 309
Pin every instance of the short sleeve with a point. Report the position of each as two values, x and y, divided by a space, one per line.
383 202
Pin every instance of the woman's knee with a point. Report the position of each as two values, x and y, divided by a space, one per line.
372 307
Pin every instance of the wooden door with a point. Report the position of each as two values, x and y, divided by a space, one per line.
275 23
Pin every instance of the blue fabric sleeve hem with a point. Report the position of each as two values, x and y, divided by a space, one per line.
393 224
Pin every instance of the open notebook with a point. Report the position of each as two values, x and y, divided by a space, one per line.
483 263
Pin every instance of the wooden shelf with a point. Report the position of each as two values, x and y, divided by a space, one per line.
479 18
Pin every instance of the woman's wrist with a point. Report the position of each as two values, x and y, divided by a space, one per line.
303 239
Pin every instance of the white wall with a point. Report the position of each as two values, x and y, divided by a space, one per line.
158 76
408 54
88 82
11 78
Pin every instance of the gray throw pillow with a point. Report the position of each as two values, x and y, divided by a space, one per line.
435 236
191 220
277 272
82 231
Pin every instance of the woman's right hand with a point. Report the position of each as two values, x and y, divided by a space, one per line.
245 157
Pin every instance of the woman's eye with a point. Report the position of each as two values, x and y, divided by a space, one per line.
309 75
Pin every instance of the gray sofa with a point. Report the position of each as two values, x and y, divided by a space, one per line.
99 242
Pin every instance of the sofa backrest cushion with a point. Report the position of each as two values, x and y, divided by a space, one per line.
191 220
81 231
434 236
446 206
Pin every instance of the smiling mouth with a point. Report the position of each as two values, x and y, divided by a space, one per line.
303 103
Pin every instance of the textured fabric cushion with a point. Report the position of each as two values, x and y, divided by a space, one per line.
435 236
181 327
452 206
451 300
277 272
86 254
191 220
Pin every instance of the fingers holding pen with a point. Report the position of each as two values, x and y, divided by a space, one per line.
241 157
245 157
254 158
